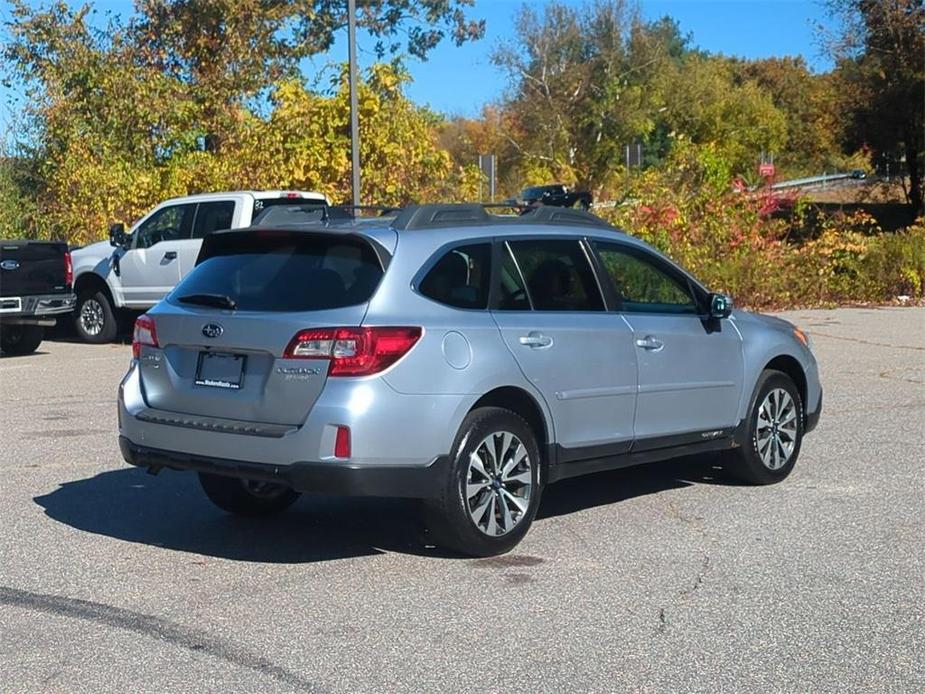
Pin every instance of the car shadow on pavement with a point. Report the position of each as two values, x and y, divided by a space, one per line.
65 332
604 488
171 511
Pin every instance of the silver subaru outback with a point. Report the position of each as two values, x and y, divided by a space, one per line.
455 356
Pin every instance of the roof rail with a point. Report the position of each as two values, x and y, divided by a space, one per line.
418 217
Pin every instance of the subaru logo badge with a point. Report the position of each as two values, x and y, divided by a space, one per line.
10 264
212 330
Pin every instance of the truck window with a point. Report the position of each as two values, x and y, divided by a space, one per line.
172 223
213 216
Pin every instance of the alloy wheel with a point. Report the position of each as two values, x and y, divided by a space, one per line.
499 483
92 317
776 429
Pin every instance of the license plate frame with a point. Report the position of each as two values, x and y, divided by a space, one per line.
222 370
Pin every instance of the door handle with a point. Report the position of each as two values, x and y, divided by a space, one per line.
650 343
536 340
170 255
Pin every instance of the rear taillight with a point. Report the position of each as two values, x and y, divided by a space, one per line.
68 269
353 351
145 334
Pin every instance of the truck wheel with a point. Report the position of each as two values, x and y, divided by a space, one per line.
493 489
94 317
17 340
247 497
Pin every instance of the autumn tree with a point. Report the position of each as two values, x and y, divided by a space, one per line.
230 51
183 96
881 54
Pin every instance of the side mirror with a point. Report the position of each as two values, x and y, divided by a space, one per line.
720 306
117 235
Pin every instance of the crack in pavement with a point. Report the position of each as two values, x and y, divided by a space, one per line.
868 342
192 639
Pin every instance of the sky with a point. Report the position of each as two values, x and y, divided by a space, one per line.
460 80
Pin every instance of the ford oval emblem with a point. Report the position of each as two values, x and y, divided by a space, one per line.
212 330
10 264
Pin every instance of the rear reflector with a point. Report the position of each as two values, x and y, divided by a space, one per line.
353 351
145 334
342 443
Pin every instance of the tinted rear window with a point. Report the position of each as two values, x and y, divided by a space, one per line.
262 204
278 271
461 277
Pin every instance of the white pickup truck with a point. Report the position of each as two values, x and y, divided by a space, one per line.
137 269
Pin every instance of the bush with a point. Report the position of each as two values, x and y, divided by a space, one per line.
895 264
728 240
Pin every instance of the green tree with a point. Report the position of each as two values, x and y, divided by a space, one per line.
581 81
811 105
704 102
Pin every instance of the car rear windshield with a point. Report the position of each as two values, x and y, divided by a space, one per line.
282 271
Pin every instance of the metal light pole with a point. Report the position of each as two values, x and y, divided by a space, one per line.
354 121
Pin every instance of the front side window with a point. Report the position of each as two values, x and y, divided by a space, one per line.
512 295
558 275
641 285
173 223
460 278
213 216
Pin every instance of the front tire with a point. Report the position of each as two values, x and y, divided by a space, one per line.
774 434
247 497
94 317
18 340
493 490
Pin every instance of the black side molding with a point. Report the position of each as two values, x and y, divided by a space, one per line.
566 463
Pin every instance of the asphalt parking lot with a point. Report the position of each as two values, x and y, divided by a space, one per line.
660 578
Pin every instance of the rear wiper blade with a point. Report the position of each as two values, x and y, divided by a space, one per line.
216 300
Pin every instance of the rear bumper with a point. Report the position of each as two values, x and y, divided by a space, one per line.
35 307
341 479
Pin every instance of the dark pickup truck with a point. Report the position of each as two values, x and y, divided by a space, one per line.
36 285
556 195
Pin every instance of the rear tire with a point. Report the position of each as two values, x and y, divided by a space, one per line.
774 433
493 490
247 497
17 340
94 317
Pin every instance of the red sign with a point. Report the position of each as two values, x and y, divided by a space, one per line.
766 170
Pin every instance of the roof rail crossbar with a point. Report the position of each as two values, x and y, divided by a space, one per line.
416 217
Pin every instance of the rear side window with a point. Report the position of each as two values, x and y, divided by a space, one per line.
283 271
558 275
213 216
460 278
